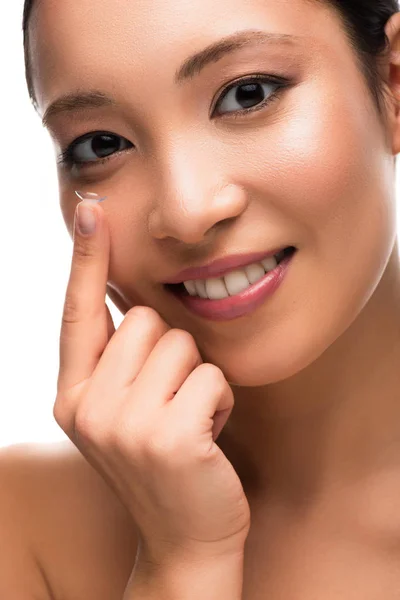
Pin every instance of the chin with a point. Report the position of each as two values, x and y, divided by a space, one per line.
284 353
257 367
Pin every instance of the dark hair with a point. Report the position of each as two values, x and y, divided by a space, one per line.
363 22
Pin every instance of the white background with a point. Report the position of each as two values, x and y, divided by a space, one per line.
35 254
35 251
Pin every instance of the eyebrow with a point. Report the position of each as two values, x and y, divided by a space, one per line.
190 67
217 50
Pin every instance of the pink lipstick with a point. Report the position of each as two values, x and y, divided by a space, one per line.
240 304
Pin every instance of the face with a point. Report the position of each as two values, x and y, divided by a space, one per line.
191 176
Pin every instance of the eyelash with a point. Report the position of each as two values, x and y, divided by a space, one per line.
66 159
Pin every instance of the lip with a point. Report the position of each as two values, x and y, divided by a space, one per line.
221 266
241 304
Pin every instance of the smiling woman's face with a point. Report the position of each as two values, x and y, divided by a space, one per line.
192 177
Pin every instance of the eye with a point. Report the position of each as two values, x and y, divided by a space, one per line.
93 147
247 94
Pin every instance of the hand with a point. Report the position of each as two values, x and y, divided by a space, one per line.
145 411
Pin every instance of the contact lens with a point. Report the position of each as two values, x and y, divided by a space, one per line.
90 196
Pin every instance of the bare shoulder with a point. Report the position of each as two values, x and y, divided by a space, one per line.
81 539
21 577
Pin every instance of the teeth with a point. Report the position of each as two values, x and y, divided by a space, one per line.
269 263
236 282
201 288
190 288
216 289
254 272
233 283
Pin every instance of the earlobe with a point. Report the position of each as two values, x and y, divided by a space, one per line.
392 79
394 96
392 30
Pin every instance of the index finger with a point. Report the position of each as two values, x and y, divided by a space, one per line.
85 328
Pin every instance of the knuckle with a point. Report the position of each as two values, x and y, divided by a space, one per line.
144 312
182 338
63 410
146 315
83 251
211 370
60 413
71 309
87 425
213 374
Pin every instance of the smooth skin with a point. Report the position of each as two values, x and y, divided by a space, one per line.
145 410
314 433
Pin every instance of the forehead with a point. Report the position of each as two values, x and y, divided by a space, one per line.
106 42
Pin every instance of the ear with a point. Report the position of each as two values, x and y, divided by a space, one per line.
392 77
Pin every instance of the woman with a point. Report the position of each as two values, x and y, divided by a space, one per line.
276 144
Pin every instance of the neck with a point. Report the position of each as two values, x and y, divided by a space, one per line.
334 423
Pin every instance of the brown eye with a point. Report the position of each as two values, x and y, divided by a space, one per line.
98 146
250 94
93 147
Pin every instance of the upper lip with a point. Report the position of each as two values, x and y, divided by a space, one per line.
221 266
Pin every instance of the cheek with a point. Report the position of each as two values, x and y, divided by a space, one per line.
330 178
342 188
328 185
327 170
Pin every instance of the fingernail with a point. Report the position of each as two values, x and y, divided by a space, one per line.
86 218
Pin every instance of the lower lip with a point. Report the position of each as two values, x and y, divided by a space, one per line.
240 304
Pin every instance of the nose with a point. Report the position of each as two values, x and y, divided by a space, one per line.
193 201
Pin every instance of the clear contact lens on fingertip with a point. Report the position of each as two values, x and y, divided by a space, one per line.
90 196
